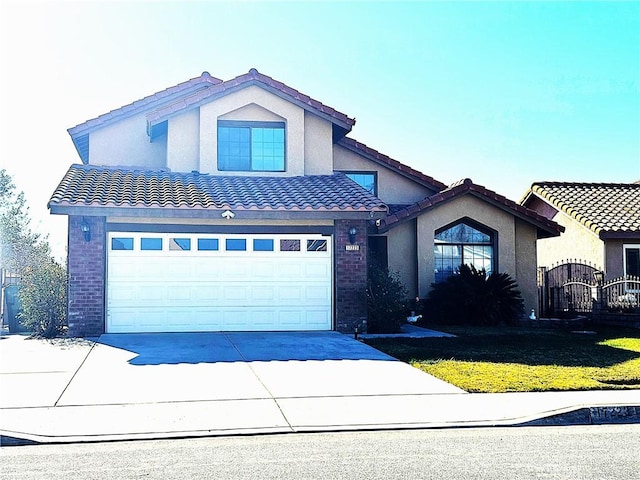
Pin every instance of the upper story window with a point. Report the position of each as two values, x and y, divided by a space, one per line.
367 180
463 243
251 146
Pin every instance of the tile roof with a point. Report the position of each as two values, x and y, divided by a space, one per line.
91 187
546 227
382 159
608 209
253 77
203 81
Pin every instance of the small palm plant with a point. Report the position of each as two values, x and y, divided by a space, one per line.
474 298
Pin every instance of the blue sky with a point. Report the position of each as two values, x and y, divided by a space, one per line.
505 93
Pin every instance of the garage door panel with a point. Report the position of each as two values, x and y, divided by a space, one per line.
193 290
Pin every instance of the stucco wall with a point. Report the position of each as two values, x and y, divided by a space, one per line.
392 188
401 253
126 143
222 108
183 137
318 145
577 242
526 268
614 256
508 249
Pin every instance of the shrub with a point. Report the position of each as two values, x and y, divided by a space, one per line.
43 297
386 300
473 298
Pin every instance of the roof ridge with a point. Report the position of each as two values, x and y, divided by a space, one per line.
205 78
463 187
589 184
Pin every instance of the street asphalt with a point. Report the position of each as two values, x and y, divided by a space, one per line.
142 386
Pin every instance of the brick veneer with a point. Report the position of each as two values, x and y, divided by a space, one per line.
351 277
86 268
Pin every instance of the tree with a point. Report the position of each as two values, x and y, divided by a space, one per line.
43 281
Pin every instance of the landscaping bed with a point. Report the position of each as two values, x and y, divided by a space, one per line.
515 359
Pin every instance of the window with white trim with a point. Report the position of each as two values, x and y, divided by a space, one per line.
251 146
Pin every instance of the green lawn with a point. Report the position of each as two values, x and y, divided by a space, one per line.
507 359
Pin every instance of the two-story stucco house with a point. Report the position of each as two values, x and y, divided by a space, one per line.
242 205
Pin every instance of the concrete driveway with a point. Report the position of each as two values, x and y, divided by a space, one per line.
148 368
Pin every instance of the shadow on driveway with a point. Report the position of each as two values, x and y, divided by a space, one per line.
195 348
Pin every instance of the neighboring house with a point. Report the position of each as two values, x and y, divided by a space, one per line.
601 221
242 205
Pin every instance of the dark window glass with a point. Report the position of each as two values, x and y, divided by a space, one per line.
122 243
251 146
316 245
462 244
262 245
632 261
365 180
208 244
289 245
180 244
150 244
236 244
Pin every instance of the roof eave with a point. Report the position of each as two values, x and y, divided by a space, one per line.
214 213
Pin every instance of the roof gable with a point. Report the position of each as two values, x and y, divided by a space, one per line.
609 210
545 227
341 122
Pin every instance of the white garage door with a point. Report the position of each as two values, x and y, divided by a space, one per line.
203 282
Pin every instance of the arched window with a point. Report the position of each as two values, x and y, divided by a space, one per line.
462 243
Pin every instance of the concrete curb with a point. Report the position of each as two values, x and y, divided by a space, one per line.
607 415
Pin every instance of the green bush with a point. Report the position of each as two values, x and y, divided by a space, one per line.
43 297
386 301
473 298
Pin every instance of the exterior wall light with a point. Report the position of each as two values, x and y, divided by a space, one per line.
86 229
353 231
598 275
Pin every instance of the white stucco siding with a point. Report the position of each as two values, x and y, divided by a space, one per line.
392 187
126 143
467 206
222 108
576 242
183 137
318 145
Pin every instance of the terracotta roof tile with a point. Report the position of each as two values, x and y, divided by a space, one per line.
103 187
252 77
545 226
380 158
604 208
201 82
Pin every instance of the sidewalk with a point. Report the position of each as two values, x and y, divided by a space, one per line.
78 391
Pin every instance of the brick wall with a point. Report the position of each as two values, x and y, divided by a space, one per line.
86 267
351 277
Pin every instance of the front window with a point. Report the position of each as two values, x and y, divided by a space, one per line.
251 146
366 180
461 244
632 260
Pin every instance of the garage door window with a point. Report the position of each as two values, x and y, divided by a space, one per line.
150 244
121 243
262 245
316 245
236 244
289 245
183 244
208 244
